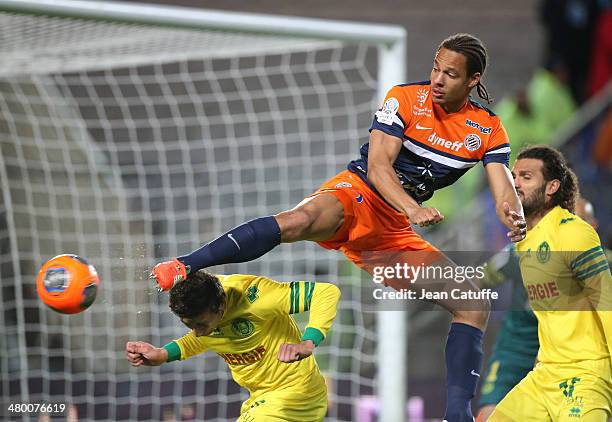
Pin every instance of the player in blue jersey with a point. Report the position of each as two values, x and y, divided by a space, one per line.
424 137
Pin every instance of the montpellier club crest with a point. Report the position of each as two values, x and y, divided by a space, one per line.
472 142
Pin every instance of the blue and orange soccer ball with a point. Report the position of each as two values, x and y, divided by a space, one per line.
67 284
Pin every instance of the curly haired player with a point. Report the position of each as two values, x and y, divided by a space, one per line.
567 278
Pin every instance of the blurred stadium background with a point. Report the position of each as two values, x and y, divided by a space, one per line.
127 144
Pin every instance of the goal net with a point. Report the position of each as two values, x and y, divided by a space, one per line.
129 143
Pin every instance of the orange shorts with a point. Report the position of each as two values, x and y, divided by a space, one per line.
373 233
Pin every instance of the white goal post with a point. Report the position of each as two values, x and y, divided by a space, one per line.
133 132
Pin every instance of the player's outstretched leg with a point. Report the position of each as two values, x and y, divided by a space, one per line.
316 218
243 243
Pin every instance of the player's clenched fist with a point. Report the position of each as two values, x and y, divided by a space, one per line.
168 273
141 353
424 216
293 352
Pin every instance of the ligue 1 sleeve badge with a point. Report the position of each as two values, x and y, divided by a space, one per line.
388 111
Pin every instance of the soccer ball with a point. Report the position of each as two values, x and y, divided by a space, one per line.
67 284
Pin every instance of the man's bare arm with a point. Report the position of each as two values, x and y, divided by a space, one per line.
383 152
507 204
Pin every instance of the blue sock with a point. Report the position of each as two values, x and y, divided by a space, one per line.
463 363
244 243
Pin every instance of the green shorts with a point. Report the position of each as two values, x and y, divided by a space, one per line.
505 370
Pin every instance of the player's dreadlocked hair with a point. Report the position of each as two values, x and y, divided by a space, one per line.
476 54
200 292
554 167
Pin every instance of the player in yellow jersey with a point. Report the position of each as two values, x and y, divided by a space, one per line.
516 346
567 277
246 320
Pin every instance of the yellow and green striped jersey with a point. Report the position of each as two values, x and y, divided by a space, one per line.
567 277
256 322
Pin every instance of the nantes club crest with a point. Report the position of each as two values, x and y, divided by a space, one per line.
242 327
543 253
